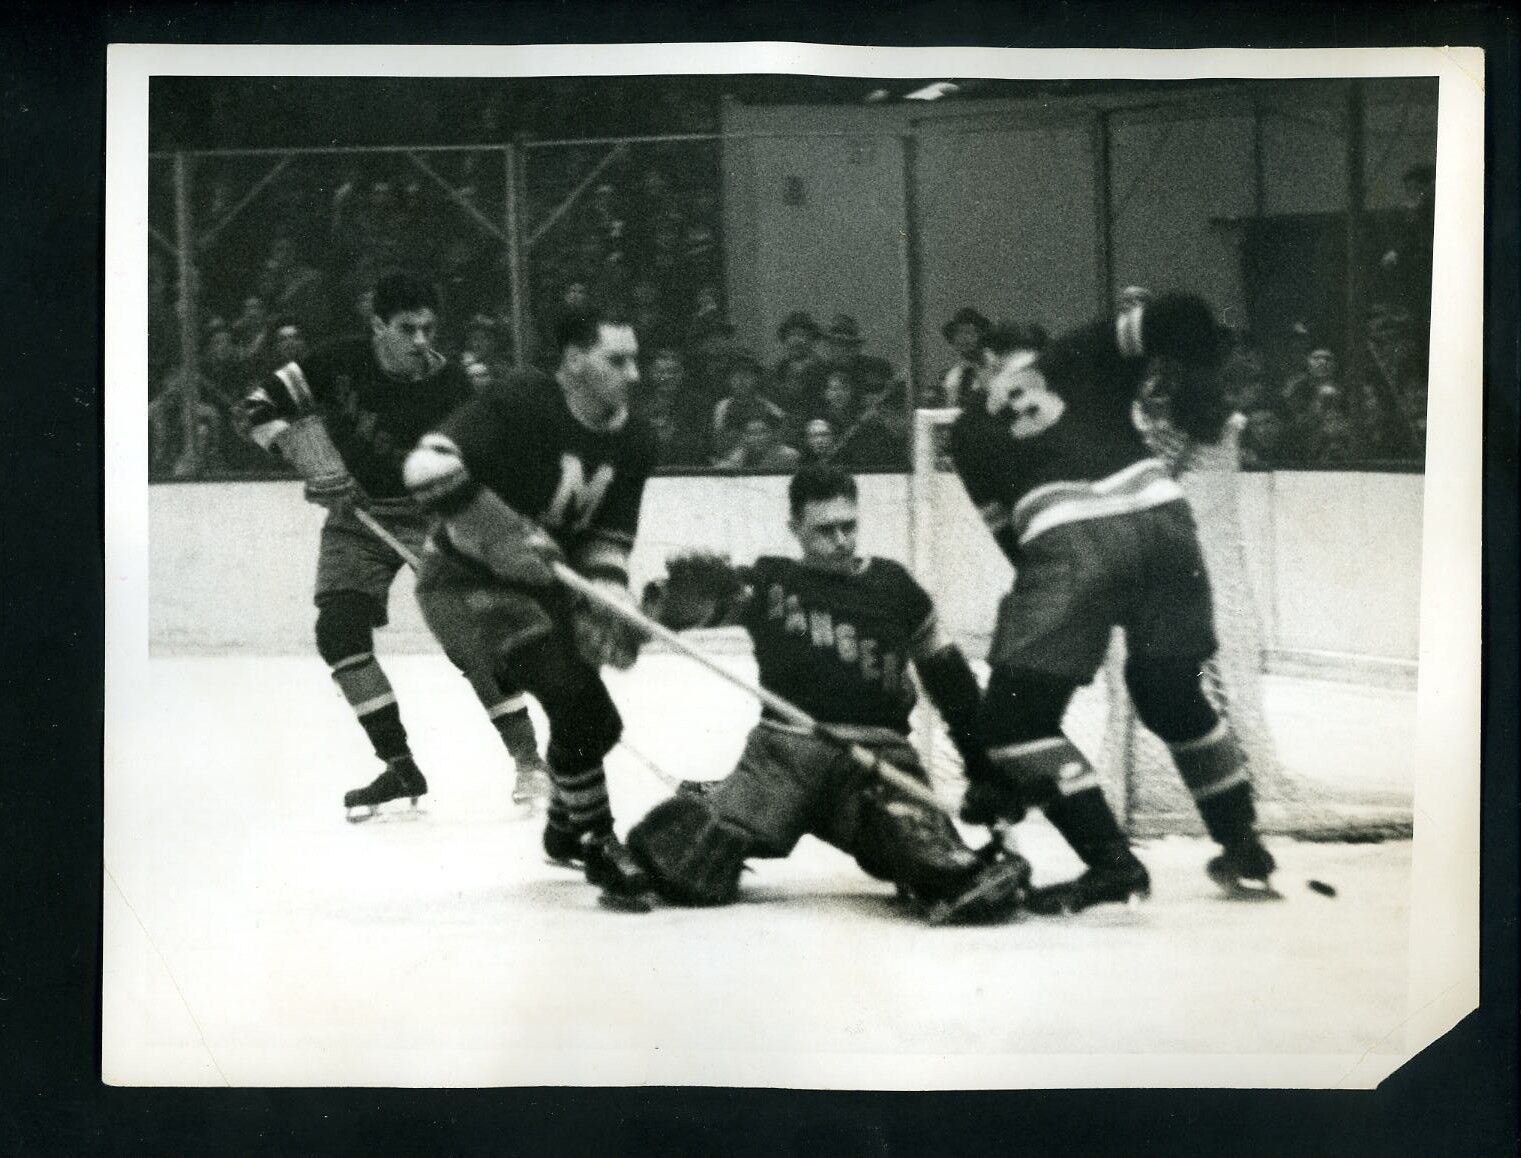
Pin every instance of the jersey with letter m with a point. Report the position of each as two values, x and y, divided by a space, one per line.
1065 447
521 440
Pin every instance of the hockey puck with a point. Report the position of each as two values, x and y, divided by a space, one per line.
1322 888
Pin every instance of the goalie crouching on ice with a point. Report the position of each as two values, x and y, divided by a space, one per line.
834 634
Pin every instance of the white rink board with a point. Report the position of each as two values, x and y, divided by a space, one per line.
1335 557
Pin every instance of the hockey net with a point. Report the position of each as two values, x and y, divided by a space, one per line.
956 560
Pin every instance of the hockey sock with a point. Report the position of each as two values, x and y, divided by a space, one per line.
509 716
516 729
580 801
1087 823
1214 768
369 693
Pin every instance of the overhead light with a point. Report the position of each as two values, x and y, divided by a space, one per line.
933 92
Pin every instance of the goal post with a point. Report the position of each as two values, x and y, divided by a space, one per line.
955 559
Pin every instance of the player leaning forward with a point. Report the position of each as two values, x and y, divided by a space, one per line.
345 417
535 470
1101 536
836 635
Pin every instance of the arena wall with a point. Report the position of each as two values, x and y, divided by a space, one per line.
1335 559
1014 205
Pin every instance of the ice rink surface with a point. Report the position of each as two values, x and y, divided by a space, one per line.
254 937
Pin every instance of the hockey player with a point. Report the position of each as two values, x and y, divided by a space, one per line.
536 470
345 417
1100 536
835 634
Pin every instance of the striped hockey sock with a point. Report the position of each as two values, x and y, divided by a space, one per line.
1215 769
513 724
508 713
365 686
580 802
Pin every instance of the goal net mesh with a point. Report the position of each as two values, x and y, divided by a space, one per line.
954 557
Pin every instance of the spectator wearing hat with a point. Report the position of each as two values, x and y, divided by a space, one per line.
742 401
797 382
842 344
963 331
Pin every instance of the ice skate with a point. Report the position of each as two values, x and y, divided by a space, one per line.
1124 881
562 848
1244 872
612 868
531 785
401 779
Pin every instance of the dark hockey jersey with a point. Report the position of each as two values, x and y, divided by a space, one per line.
373 419
838 646
1066 447
521 440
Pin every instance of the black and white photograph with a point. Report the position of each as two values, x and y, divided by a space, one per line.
790 566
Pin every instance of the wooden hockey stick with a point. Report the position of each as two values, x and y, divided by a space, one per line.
378 529
638 620
786 710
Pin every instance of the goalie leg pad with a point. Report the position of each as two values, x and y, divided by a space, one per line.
912 845
692 856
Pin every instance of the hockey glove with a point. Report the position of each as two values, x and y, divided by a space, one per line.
306 445
699 591
601 637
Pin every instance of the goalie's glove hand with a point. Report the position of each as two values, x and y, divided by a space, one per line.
335 492
601 637
989 802
699 590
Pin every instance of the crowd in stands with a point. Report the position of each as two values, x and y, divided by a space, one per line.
823 398
292 270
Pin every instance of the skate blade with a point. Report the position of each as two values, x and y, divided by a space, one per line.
1249 891
363 813
574 866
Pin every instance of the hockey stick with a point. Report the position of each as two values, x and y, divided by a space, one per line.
378 529
783 708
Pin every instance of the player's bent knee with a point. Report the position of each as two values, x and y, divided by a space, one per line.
345 626
1022 705
692 856
1169 698
584 723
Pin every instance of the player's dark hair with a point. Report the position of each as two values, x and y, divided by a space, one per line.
397 293
581 326
1006 338
818 484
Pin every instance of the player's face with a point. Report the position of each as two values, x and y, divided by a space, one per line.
605 372
826 530
403 342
